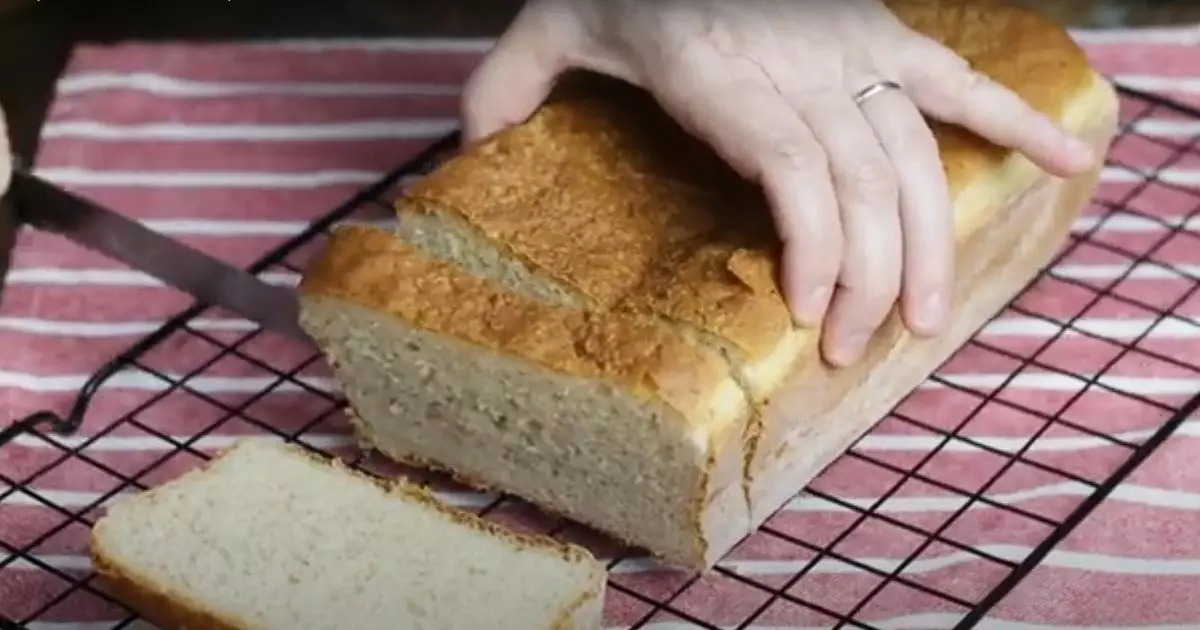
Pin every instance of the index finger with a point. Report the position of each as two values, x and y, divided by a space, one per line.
947 88
754 128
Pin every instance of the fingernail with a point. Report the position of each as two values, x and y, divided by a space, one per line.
812 307
931 315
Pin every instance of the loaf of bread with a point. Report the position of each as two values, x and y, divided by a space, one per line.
270 537
582 310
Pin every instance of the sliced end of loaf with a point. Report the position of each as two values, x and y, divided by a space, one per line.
443 236
269 537
603 417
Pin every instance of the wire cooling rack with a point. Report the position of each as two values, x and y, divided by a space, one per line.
673 598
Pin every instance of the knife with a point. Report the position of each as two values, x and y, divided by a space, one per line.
45 206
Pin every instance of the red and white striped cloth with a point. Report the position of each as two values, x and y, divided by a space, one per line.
233 148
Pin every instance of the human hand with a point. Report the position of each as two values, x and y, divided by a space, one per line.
857 189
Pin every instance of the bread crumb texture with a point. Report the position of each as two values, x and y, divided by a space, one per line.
268 536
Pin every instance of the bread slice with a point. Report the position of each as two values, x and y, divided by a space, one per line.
451 336
269 537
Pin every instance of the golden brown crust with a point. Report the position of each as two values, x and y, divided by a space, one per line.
172 611
598 194
566 618
605 194
372 268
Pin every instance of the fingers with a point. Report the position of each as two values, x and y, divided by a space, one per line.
6 158
796 180
867 190
515 76
943 85
926 213
758 133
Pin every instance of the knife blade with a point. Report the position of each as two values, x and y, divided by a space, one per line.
47 207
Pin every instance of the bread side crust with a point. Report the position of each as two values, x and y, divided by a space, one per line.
177 610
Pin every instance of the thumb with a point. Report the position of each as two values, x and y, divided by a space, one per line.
515 76
6 155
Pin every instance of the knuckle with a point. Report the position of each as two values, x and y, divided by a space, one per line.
794 157
873 266
927 273
949 64
872 180
822 251
932 272
973 85
881 278
680 51
868 306
720 38
878 297
912 136
816 88
920 143
830 264
813 266
936 61
475 90
958 77
807 231
805 210
938 71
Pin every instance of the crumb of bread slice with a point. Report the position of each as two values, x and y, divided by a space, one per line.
600 203
270 537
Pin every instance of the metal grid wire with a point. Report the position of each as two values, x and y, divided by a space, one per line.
674 601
